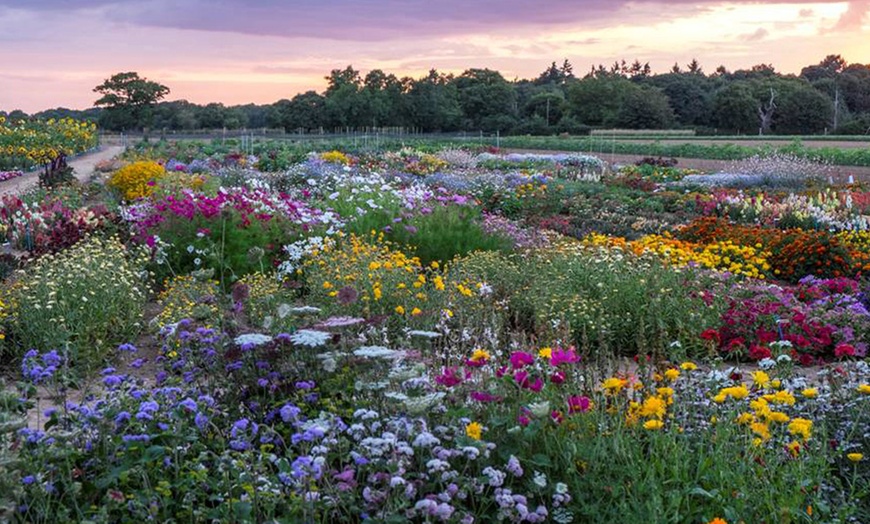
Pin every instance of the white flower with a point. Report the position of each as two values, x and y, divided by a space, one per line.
419 405
783 359
304 310
283 310
540 479
766 363
377 352
253 339
540 409
310 338
424 334
267 322
190 249
485 289
197 261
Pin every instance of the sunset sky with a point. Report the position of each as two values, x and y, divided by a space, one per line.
53 52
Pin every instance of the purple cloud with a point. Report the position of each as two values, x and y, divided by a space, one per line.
381 20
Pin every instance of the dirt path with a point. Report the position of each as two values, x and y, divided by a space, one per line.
83 166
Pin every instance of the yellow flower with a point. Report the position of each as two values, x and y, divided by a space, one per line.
688 366
781 397
745 418
717 520
327 285
736 392
777 416
864 388
760 429
801 426
653 407
416 311
794 448
855 457
480 355
400 310
672 374
613 385
653 425
810 393
474 430
545 352
761 379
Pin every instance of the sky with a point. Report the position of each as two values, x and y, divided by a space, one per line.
53 52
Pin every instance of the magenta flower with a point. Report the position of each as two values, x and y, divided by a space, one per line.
449 377
558 377
520 359
578 404
564 356
482 396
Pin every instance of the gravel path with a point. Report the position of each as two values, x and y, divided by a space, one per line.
83 166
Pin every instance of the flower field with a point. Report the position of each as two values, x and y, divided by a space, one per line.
438 335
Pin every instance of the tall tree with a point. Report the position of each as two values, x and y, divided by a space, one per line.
129 100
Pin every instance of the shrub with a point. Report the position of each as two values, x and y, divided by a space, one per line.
89 297
136 180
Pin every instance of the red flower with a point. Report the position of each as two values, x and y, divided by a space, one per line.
844 350
757 352
710 334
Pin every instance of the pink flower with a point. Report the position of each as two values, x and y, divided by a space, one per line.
520 359
449 377
564 356
482 396
557 377
557 416
578 404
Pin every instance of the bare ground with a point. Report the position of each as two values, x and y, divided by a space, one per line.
83 167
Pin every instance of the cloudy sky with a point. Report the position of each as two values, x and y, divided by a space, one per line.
53 52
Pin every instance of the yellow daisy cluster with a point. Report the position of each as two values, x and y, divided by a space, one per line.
186 297
264 295
137 180
335 157
384 279
530 190
41 141
749 261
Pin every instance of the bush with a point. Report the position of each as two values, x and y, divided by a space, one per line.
137 179
90 297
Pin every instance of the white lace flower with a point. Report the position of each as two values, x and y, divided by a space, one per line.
253 339
310 338
377 352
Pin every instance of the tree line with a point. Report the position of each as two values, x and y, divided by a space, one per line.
832 96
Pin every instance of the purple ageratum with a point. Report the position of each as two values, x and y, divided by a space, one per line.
189 404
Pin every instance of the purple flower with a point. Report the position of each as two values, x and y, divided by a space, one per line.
289 412
28 480
129 348
201 421
189 404
136 438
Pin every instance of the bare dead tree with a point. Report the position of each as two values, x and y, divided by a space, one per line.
765 113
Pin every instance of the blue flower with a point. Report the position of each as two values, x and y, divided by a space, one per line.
28 480
189 404
201 421
130 348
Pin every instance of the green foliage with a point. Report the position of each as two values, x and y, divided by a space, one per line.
608 304
445 233
129 100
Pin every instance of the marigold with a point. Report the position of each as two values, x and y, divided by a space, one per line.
474 430
718 520
653 425
810 393
688 366
672 374
855 457
801 426
653 407
613 385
